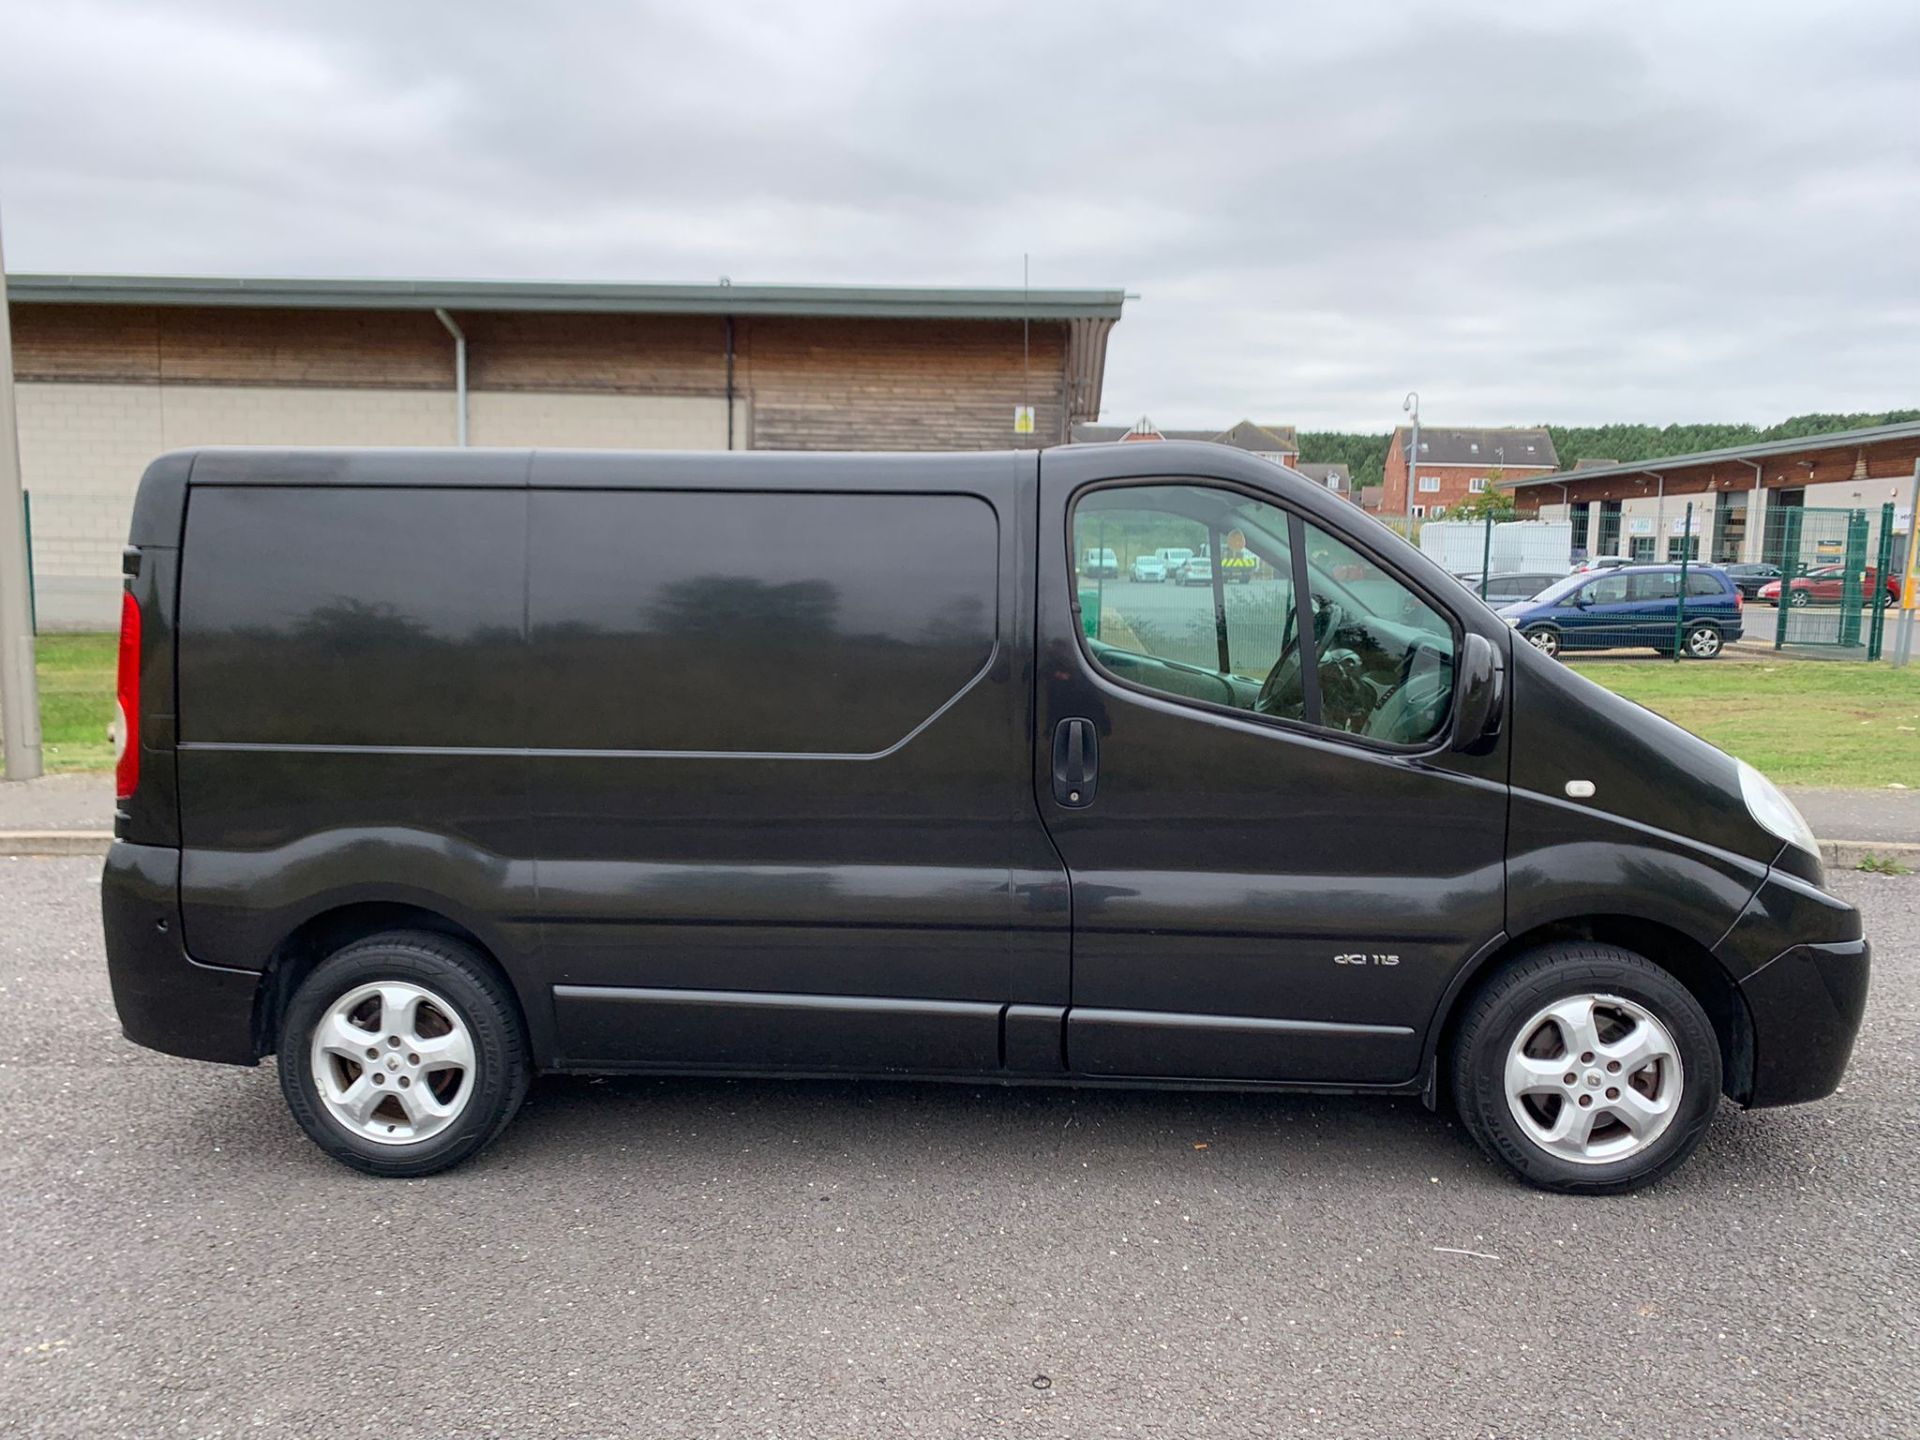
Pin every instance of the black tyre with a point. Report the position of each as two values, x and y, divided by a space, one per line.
1585 1068
403 1054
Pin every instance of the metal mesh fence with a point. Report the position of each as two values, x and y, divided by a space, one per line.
1832 578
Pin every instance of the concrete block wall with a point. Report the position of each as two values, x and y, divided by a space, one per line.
604 422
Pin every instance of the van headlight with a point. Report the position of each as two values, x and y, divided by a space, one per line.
1774 812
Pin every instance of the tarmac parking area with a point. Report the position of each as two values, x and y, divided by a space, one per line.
680 1258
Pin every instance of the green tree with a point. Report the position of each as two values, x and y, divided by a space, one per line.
1492 502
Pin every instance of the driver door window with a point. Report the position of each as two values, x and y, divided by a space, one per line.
1227 631
1214 627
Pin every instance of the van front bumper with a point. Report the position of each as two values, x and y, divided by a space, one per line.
1806 1005
1802 961
168 1001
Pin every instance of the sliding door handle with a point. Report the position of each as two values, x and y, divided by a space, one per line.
1076 763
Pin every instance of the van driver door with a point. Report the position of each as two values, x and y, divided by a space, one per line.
1277 861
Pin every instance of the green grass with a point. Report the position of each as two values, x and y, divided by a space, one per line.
1883 865
1798 722
76 700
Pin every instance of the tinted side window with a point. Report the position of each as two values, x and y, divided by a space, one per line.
1663 585
1609 590
353 615
673 620
1704 585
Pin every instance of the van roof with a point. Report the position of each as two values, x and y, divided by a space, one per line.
483 468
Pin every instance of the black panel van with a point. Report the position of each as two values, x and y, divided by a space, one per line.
441 769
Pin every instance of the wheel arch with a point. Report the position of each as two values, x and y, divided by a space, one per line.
332 929
1679 954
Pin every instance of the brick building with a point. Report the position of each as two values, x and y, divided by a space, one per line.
1738 494
111 371
1456 463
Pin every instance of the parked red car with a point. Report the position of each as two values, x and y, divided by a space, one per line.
1824 584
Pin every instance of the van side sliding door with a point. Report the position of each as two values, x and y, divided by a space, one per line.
780 773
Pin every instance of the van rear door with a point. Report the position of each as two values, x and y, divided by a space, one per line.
1276 867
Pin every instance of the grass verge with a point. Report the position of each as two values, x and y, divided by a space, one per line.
76 700
1798 722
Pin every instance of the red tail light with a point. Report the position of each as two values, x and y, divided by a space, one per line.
126 720
1739 600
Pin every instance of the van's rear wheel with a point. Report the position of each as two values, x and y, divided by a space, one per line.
403 1054
1543 638
1586 1068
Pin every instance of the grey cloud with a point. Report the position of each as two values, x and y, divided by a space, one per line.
1584 213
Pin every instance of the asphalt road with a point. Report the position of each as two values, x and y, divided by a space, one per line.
674 1258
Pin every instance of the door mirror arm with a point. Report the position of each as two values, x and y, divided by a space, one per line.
1480 700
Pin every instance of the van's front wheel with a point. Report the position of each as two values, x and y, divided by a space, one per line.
1586 1068
1543 638
402 1054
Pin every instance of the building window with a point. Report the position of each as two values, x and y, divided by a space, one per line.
1429 484
1477 485
1438 511
1419 512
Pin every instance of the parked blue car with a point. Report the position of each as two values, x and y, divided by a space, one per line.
1632 607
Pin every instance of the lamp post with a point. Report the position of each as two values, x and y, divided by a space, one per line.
19 697
1411 406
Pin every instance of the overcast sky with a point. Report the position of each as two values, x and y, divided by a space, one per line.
1527 212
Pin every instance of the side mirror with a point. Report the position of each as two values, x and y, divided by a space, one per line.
1477 712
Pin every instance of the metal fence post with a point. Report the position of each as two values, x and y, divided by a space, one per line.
33 600
1789 563
1855 564
1909 571
1680 610
1486 554
1883 561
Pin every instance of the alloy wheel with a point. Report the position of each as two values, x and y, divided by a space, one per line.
1703 642
393 1062
1594 1079
1547 642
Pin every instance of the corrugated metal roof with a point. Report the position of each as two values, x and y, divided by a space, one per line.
1837 440
874 301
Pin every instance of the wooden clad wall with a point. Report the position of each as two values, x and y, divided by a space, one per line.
810 384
